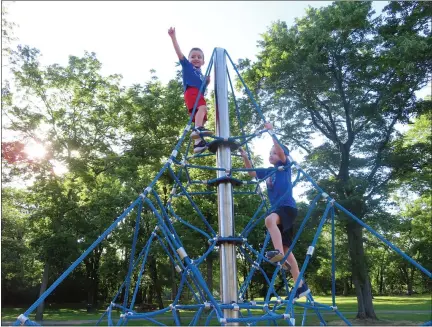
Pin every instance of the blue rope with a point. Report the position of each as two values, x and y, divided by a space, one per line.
308 255
146 250
132 256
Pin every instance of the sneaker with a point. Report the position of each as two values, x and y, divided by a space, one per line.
200 147
274 256
302 291
200 131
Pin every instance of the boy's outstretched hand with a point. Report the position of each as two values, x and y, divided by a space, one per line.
268 125
171 32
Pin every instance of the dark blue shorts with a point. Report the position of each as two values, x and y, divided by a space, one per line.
287 216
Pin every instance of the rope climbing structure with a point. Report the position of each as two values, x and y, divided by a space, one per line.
231 306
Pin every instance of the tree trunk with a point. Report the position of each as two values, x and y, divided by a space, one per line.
359 271
156 285
346 287
92 272
144 295
410 288
209 261
413 272
173 283
44 284
245 274
381 280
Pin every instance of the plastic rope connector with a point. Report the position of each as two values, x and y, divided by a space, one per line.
174 153
143 196
182 253
334 308
292 321
280 168
207 305
22 319
222 320
324 195
236 307
332 201
123 315
310 250
227 171
253 302
286 316
178 269
187 128
255 265
170 161
279 300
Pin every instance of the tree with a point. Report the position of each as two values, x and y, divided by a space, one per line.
412 161
348 78
20 272
72 111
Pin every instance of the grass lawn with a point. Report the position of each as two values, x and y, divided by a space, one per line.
391 310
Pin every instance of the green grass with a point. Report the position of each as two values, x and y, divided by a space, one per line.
8 314
403 312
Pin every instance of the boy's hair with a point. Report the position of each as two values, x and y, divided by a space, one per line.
283 148
196 49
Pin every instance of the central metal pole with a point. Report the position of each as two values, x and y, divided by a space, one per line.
228 264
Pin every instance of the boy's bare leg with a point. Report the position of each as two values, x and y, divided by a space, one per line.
199 116
271 223
295 272
199 119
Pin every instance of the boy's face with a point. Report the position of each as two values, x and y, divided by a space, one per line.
273 158
196 58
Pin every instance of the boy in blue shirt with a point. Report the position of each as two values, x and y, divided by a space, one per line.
192 80
280 221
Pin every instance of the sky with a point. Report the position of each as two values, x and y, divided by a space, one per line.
131 37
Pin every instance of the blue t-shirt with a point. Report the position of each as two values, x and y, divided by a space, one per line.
278 184
192 76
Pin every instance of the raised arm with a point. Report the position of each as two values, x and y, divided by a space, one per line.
247 162
279 151
172 34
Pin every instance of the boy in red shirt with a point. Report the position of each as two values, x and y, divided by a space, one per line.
192 80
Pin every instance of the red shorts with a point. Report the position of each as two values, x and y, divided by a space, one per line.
190 96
